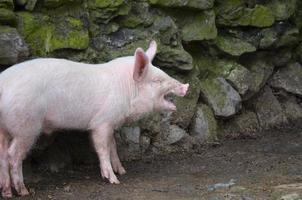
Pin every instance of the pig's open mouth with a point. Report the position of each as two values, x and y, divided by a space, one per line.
169 101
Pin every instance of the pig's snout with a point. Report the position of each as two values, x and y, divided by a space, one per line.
184 89
181 90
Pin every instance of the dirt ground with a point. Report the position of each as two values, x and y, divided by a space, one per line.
267 167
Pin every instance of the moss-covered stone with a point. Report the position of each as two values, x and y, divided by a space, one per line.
282 9
45 36
197 4
186 106
57 3
269 110
198 27
233 46
204 125
261 68
8 4
13 48
105 10
220 95
7 16
235 13
244 124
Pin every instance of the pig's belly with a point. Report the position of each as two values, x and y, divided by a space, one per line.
64 116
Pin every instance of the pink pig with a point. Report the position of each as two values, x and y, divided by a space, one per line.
46 94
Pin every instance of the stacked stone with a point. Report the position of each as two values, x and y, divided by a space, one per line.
242 59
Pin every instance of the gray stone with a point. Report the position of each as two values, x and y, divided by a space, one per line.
7 17
197 4
261 69
30 5
282 9
9 4
171 135
204 125
131 134
269 110
240 78
242 124
186 106
292 111
13 48
236 13
198 27
233 46
221 96
289 79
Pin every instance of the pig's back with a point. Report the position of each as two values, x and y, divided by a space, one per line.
63 90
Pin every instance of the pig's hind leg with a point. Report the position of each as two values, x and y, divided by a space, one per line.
24 134
5 184
102 139
115 160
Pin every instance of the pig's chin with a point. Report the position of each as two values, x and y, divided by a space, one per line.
167 101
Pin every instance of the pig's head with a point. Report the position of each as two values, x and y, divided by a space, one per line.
154 87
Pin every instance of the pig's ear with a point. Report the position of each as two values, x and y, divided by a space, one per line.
141 64
151 50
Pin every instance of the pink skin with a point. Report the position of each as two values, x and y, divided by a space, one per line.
88 98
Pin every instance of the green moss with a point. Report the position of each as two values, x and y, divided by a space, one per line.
198 4
282 9
105 3
235 13
260 16
45 36
211 89
75 23
199 27
7 16
27 23
212 123
233 46
8 4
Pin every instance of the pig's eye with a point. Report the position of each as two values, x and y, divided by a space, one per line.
158 81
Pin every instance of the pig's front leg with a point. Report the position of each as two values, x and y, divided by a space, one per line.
102 139
115 160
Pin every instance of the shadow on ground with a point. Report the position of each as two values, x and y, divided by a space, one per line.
269 167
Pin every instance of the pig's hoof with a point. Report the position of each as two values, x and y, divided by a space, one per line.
21 189
121 170
24 191
114 180
7 193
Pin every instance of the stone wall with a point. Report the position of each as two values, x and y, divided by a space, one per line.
241 58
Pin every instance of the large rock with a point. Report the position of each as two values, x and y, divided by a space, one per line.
197 4
102 11
244 124
57 3
269 110
45 35
282 9
236 74
261 69
200 26
233 46
292 111
171 135
174 57
289 79
235 13
9 4
7 16
221 96
13 48
204 125
186 106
